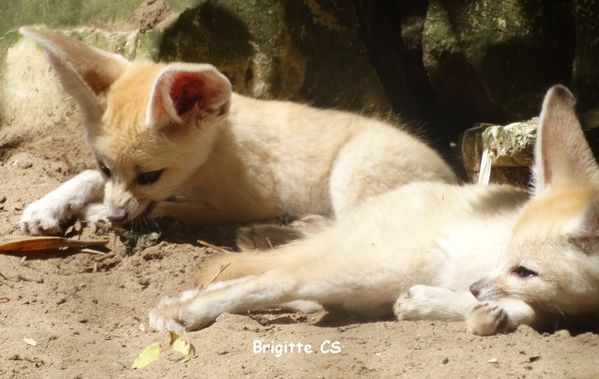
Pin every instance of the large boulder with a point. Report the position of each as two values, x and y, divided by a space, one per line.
305 51
510 148
308 51
445 65
453 64
494 60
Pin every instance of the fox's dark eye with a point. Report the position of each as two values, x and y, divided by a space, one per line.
105 170
148 177
523 272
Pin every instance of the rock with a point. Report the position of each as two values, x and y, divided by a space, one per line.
488 59
448 65
563 333
150 13
511 147
144 282
305 51
452 64
534 358
30 88
585 67
22 160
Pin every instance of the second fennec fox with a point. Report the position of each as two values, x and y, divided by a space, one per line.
486 254
172 139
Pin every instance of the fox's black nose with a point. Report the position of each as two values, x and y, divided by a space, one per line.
118 217
475 290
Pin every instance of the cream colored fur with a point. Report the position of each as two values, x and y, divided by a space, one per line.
483 254
224 157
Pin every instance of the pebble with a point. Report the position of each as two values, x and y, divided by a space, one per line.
562 333
24 164
144 282
534 358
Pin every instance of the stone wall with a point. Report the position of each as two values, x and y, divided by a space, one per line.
442 65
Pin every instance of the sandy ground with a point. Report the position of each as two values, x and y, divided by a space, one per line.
88 313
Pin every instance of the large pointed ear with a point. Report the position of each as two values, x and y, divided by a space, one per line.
562 154
186 94
85 72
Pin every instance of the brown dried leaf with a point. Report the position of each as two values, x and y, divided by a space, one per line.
30 244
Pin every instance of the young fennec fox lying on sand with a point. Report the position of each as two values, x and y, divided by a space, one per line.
172 139
436 251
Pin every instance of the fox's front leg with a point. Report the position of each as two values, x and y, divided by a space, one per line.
482 317
423 302
75 197
501 316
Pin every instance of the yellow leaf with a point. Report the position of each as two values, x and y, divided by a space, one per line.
179 345
149 355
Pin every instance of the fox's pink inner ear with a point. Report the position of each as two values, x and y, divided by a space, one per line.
187 93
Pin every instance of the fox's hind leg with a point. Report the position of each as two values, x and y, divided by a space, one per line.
267 236
310 270
228 266
196 309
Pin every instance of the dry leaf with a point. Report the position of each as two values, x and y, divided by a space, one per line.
149 355
30 244
152 352
181 346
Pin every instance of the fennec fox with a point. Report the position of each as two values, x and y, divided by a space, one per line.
483 254
172 139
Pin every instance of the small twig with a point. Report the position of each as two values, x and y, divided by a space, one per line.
23 278
106 256
6 284
92 251
220 271
3 282
211 246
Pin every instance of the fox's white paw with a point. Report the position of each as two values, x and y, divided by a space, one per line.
165 316
432 303
417 304
45 217
95 215
487 318
179 313
161 319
